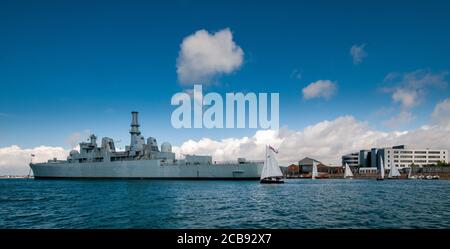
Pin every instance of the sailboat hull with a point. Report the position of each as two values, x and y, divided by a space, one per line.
268 181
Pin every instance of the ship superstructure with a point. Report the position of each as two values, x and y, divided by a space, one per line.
141 159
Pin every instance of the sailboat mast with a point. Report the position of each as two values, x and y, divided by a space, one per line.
313 172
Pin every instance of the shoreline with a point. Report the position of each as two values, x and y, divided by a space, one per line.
442 176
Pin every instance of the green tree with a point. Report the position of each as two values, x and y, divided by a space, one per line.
442 164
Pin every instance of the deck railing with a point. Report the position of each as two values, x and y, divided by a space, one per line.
236 162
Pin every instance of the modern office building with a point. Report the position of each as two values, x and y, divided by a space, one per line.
374 158
364 158
400 156
351 159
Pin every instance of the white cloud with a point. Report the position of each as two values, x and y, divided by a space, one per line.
409 89
75 138
358 53
325 141
320 89
441 113
425 78
204 56
14 160
404 117
406 98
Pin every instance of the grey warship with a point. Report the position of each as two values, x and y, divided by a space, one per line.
141 160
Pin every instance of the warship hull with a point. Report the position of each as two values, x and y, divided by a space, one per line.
146 169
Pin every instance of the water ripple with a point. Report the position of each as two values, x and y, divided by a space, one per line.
224 204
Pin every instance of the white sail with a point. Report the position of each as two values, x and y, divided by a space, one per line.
348 172
394 171
381 168
409 172
314 172
271 167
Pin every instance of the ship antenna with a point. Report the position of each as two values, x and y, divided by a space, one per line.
118 141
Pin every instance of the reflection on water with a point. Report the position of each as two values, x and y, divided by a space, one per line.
224 204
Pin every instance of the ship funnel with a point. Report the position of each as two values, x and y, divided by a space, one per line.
134 118
134 124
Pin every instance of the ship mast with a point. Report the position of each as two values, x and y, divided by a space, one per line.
134 132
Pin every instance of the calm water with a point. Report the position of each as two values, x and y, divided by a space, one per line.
224 204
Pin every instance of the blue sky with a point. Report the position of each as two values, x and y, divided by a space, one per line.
68 66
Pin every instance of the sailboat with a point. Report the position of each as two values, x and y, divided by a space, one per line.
409 174
271 172
394 173
315 172
381 176
348 172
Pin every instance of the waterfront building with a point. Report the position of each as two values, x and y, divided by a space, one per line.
374 158
367 170
352 159
330 169
364 158
306 164
293 170
401 156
